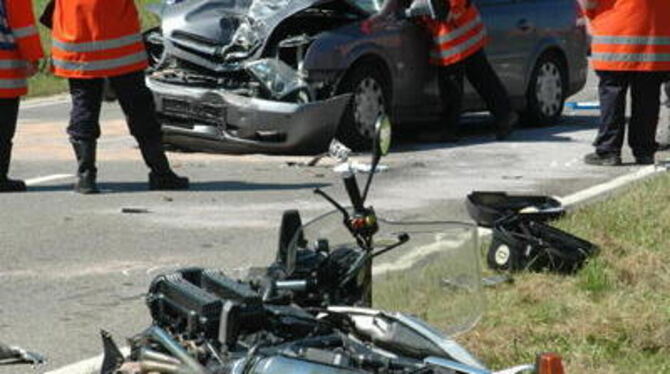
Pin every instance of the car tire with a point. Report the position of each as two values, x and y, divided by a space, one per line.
370 98
546 91
501 256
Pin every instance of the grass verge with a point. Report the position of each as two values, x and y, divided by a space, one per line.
611 317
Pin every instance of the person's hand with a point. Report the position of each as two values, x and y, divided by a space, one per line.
588 4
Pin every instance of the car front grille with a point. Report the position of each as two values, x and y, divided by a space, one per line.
198 112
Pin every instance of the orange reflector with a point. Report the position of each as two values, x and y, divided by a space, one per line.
549 363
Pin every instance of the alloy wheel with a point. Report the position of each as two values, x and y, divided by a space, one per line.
368 105
549 89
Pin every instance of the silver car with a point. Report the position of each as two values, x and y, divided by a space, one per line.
285 76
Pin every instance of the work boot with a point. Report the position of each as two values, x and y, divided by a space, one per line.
644 160
87 173
6 184
161 176
506 126
603 159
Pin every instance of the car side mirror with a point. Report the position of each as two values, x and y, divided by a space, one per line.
435 9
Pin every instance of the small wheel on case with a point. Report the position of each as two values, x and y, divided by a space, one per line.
501 256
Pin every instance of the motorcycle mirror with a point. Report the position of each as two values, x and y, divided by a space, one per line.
382 135
380 147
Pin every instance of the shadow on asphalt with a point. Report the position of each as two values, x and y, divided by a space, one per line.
480 130
126 187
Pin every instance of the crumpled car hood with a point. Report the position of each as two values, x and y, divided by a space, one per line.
227 30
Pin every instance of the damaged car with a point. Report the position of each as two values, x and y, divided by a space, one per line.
286 76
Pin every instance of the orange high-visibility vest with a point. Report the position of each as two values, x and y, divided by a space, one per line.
455 40
96 39
19 44
630 35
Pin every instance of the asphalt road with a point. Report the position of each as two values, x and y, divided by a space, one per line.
73 264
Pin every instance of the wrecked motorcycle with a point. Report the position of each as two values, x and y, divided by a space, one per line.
309 312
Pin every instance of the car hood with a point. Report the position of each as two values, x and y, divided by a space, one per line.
227 30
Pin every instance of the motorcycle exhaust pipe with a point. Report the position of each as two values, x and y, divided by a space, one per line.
160 367
161 336
147 354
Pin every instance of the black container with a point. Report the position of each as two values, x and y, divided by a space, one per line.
522 244
487 208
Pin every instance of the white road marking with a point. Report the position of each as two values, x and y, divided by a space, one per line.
612 185
48 178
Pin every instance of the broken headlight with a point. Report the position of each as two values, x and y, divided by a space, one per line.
280 80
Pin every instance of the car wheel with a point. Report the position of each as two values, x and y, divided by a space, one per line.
501 256
546 91
369 99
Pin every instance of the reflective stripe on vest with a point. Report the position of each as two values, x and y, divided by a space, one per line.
13 64
97 46
100 64
460 48
12 83
631 57
445 38
24 32
628 40
630 49
104 57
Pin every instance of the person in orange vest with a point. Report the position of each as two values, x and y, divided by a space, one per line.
455 38
486 82
20 52
97 39
629 49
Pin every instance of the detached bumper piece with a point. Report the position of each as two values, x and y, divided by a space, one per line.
521 238
218 121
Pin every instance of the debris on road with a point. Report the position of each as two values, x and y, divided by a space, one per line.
134 210
583 105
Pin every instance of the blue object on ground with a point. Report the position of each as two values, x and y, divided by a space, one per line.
582 105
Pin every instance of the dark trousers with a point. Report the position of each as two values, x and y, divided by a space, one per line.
134 97
484 79
450 82
645 90
9 112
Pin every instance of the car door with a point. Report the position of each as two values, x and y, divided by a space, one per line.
512 39
415 93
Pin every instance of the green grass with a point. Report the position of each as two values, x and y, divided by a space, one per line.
611 317
46 84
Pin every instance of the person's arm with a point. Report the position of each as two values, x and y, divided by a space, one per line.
590 7
22 22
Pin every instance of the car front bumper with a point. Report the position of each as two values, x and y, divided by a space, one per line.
213 120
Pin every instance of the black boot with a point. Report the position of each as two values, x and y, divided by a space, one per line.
86 170
6 184
161 176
